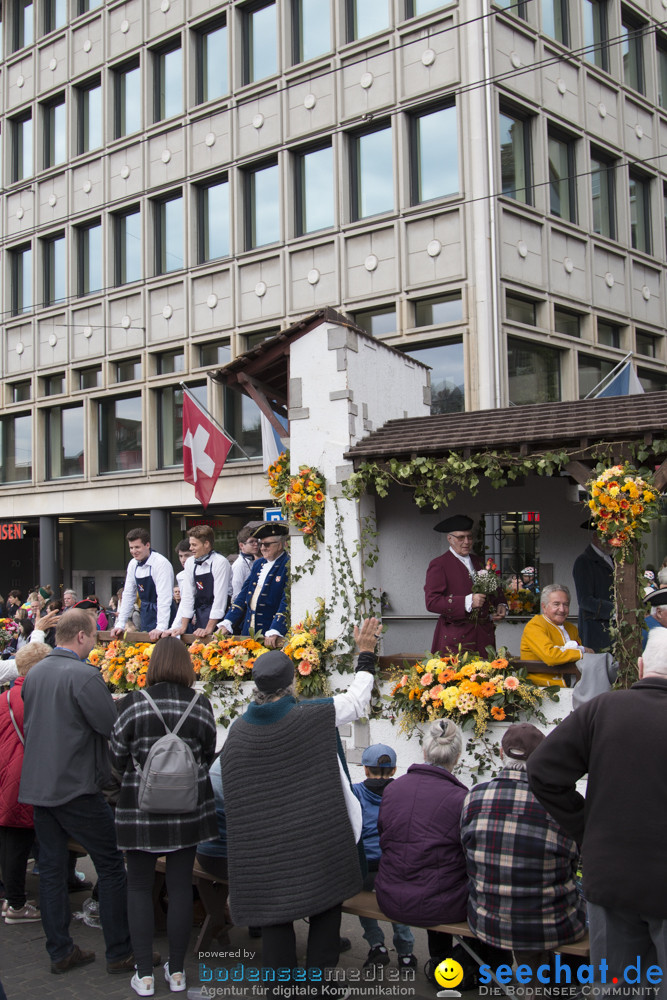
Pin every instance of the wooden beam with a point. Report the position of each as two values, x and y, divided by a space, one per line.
255 393
660 478
268 391
580 473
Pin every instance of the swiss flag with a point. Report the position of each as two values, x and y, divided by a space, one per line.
205 449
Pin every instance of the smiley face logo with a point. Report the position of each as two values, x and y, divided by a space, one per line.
449 973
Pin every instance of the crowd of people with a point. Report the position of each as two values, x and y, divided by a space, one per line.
77 765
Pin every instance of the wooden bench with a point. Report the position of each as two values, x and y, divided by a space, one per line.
213 894
364 904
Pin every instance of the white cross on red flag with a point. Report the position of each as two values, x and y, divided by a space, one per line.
205 450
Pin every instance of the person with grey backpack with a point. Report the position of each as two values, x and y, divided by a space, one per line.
163 744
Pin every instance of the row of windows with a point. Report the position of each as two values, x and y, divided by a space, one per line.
598 30
566 168
311 28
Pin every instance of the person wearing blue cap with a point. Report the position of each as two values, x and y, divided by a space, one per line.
379 763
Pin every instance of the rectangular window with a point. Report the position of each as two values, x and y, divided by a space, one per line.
127 247
90 378
434 155
314 202
169 243
21 130
89 258
262 215
652 381
215 354
119 434
534 372
647 344
567 322
372 174
54 257
167 82
415 8
445 359
640 212
603 194
515 7
86 5
128 370
632 50
169 362
515 158
377 322
366 18
520 310
64 441
562 177
20 262
212 63
555 20
16 449
592 370
90 117
55 15
170 427
127 99
21 391
312 29
55 132
53 385
24 24
259 42
609 335
596 33
242 420
439 309
213 219
662 71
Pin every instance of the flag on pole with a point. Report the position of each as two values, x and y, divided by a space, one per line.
624 383
272 444
205 449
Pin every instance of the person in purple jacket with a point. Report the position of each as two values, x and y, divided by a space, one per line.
422 878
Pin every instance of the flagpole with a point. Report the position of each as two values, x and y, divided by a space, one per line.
210 416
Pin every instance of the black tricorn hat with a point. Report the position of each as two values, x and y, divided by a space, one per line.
271 529
656 598
457 522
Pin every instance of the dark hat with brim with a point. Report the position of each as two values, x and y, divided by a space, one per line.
87 605
457 522
272 671
520 740
272 529
656 598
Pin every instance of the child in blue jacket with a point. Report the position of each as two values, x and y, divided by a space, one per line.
379 762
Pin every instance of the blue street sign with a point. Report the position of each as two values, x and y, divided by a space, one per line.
273 514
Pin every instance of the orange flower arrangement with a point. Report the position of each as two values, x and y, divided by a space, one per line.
225 657
465 688
623 504
123 664
301 498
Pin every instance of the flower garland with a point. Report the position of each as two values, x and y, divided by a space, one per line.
301 497
307 646
623 504
467 689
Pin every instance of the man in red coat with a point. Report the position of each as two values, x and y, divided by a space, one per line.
466 619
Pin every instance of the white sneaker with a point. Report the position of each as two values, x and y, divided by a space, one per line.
144 987
176 982
27 914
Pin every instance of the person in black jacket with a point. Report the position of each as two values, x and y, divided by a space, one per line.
593 573
620 740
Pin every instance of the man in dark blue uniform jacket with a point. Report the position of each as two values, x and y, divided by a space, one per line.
261 605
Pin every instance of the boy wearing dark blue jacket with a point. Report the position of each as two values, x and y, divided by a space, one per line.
379 762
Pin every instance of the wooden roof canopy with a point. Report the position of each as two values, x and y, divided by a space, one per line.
617 421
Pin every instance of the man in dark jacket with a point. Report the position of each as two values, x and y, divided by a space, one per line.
68 717
593 574
620 740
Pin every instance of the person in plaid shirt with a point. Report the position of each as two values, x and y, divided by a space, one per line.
521 865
